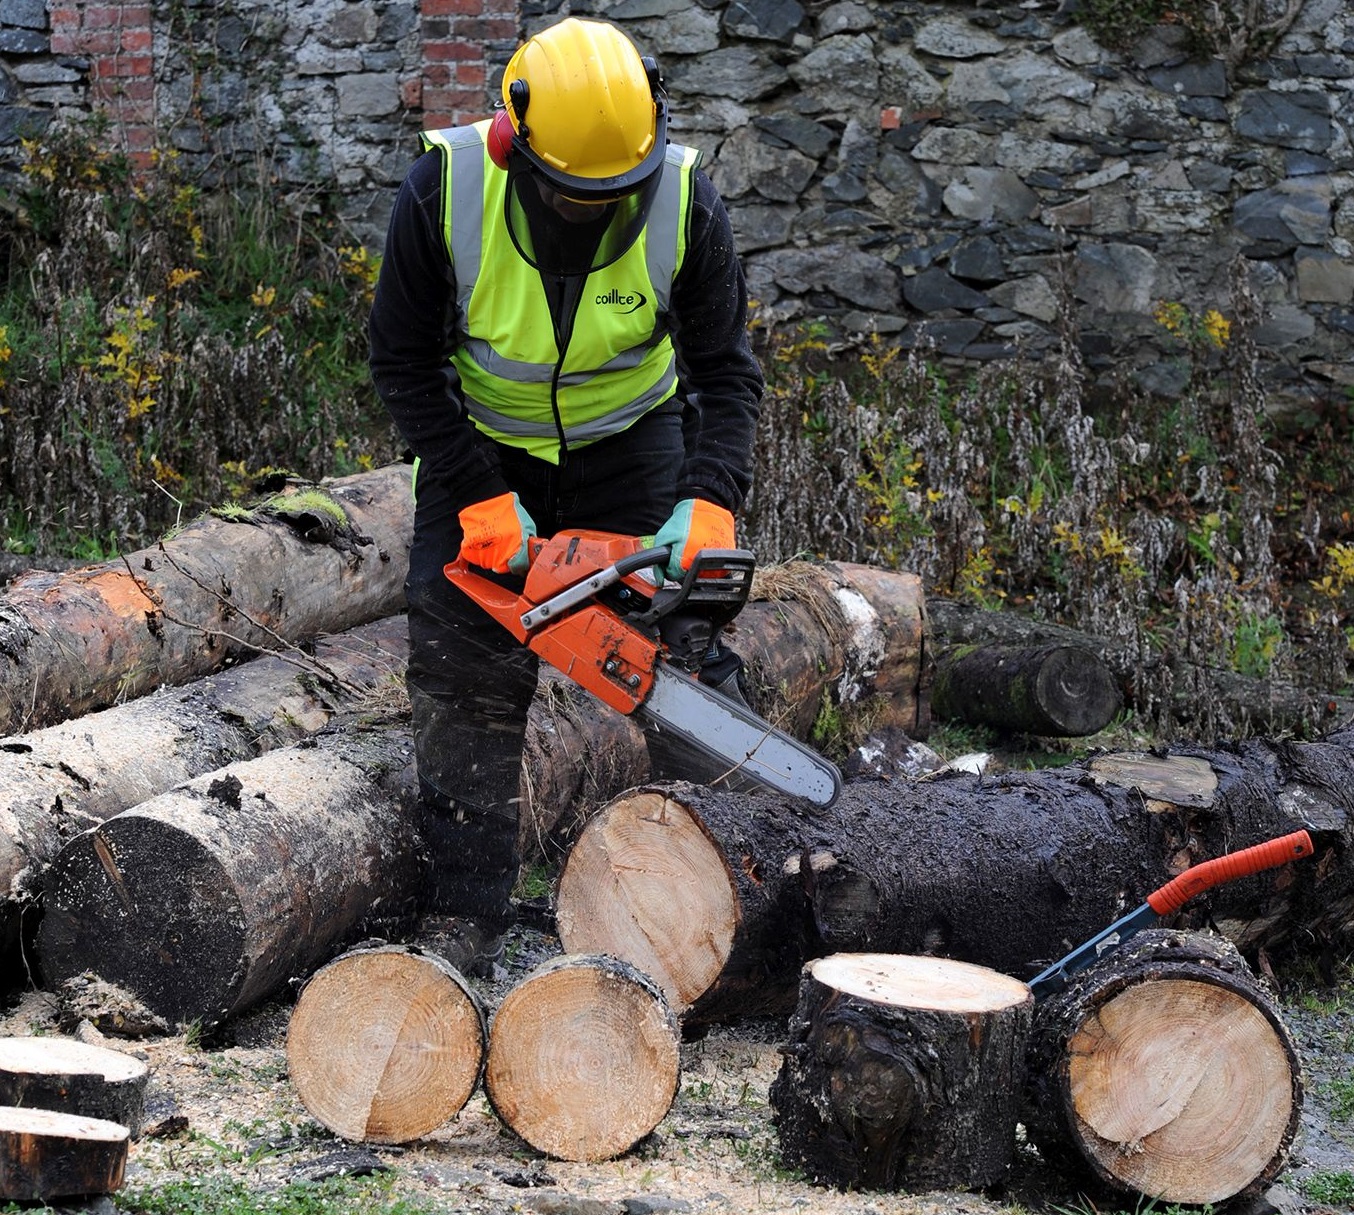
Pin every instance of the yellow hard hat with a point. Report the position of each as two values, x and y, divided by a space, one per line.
587 111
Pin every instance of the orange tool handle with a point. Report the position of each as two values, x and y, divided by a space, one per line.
1269 855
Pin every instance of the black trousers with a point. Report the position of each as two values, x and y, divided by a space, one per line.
470 682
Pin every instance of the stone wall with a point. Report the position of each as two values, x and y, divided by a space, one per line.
948 169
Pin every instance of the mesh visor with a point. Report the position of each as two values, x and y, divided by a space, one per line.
560 235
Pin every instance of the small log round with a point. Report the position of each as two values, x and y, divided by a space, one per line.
902 1072
46 1154
584 1058
73 1077
1166 1070
386 1043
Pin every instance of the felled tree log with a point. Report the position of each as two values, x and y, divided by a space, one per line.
1166 1069
45 1155
61 780
1251 706
71 1077
721 897
386 1043
314 559
584 1058
209 898
902 1073
1056 691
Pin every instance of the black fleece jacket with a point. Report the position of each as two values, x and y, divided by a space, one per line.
411 339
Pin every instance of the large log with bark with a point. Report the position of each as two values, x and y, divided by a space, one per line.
59 781
213 896
1202 701
902 1073
1165 1069
313 559
721 897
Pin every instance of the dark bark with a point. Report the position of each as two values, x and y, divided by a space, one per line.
45 1154
902 1073
386 1043
1053 690
211 897
80 640
1166 1069
1008 871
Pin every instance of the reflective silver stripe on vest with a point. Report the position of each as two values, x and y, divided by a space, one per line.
598 428
485 356
466 205
665 219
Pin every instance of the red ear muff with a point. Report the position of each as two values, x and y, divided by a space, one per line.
500 138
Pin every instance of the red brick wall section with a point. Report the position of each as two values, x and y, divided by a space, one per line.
457 70
116 39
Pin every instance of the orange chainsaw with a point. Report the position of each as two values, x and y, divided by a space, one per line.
596 606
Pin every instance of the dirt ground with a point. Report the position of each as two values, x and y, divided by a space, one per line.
227 1107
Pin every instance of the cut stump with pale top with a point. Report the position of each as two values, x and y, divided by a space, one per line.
902 1073
386 1043
46 1154
73 1077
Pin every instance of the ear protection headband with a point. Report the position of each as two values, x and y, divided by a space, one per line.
502 132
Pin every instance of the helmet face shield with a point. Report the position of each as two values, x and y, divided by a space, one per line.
560 233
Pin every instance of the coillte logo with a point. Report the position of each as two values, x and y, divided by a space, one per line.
630 301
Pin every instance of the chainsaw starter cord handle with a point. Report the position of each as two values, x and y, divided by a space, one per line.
1269 855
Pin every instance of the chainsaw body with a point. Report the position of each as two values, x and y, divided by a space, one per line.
595 606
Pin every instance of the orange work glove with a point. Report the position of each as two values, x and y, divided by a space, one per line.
496 534
695 524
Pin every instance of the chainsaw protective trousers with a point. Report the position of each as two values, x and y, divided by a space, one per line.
470 681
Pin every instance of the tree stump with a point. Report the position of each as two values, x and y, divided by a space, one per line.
45 1154
584 1058
71 1077
386 1043
1165 1069
903 1073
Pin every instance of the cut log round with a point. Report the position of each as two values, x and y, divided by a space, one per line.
902 1073
584 1058
71 1077
209 898
45 1154
1166 1069
1054 691
386 1044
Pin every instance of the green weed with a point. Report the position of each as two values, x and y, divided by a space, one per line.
1333 1187
223 1196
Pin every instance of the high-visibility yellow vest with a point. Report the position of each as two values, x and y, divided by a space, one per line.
619 363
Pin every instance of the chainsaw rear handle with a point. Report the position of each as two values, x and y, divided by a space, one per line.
1195 880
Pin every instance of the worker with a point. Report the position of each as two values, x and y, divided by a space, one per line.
559 334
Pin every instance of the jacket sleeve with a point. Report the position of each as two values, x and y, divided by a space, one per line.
719 375
411 336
